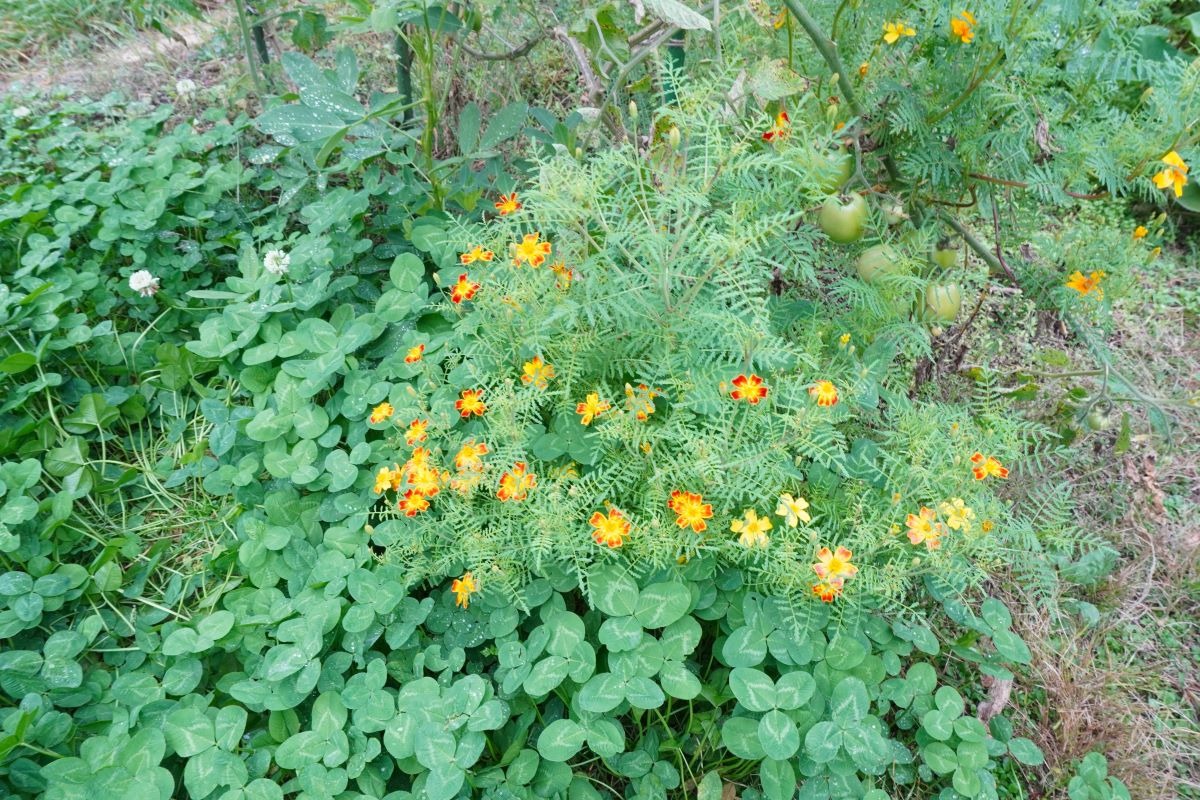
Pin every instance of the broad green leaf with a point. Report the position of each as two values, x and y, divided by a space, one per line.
676 14
844 653
1026 752
849 702
823 741
996 614
794 689
778 779
504 124
660 604
940 758
778 733
753 689
740 737
613 591
561 740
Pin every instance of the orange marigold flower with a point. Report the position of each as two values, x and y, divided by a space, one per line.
827 591
508 204
610 531
381 412
779 131
590 408
463 588
833 566
986 466
1174 175
425 480
418 431
469 456
419 458
1089 284
987 525
413 503
825 393
1140 232
530 250
690 510
749 388
963 26
476 253
923 527
515 485
537 372
415 353
383 480
463 289
470 402
863 69
640 401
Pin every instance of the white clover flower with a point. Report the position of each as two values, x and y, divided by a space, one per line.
185 87
21 112
276 262
143 282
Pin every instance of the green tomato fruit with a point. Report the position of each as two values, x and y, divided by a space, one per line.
943 302
844 222
945 256
880 259
1097 420
834 169
894 214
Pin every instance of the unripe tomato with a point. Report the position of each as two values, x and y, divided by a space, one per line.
943 302
844 222
880 259
834 169
1097 420
945 256
894 214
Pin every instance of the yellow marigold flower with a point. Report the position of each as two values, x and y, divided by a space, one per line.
419 458
476 253
780 130
986 466
418 431
690 510
863 69
515 485
833 566
924 528
1173 175
640 401
463 289
537 372
383 480
825 393
844 339
749 388
987 525
892 31
470 402
463 588
963 26
413 503
610 531
469 456
1140 232
1085 285
794 510
827 591
590 408
381 412
530 250
415 353
508 204
958 514
780 19
752 529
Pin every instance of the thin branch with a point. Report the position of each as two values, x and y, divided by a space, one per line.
594 90
979 176
516 52
979 247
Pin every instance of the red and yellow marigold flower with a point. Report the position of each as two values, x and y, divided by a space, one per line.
780 130
987 467
381 412
751 529
828 592
749 388
963 27
537 372
611 530
1087 284
640 401
463 588
470 402
833 566
825 393
1173 175
565 275
590 408
923 528
464 289
515 484
530 250
418 431
508 204
690 510
413 503
476 253
892 31
470 456
414 354
419 458
425 480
